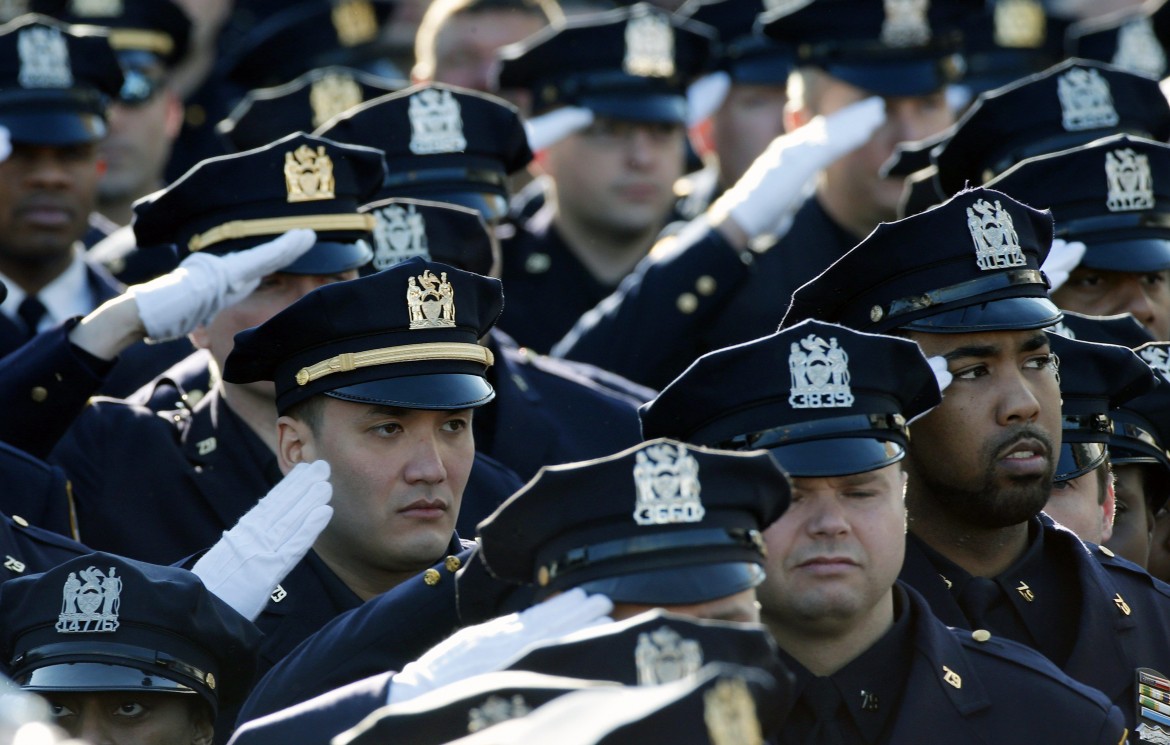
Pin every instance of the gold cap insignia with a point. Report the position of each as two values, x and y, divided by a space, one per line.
649 46
905 24
997 246
730 714
1020 24
308 174
331 95
432 305
666 478
96 8
210 680
355 22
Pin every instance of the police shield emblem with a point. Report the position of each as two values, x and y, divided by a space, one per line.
495 710
436 125
1138 49
905 24
90 604
331 95
1131 186
820 374
430 301
996 244
663 656
44 59
399 234
1085 100
1157 358
649 46
666 478
355 22
308 174
730 714
1020 24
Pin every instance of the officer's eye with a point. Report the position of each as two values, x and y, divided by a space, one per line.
1085 280
455 425
970 373
1154 278
1042 362
60 711
1121 508
861 493
130 709
386 429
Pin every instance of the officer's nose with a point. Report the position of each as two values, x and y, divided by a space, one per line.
827 516
426 461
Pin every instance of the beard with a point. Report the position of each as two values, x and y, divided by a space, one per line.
992 500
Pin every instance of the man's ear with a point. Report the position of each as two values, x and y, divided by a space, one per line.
1108 511
199 337
294 443
795 116
202 729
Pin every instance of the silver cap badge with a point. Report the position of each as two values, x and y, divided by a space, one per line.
662 656
1138 49
90 604
400 234
905 24
1085 100
432 305
436 125
1159 359
649 46
1131 186
820 374
666 478
996 244
331 95
730 714
44 59
495 710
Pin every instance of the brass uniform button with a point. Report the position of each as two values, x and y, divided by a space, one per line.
705 285
980 635
452 563
542 577
39 394
431 577
687 303
20 521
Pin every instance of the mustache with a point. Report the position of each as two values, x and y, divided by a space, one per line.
1024 433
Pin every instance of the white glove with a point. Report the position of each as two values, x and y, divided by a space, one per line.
494 645
251 559
5 144
549 129
768 194
1063 257
174 304
942 376
706 95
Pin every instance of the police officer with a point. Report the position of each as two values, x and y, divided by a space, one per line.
610 184
981 464
124 651
1141 468
872 663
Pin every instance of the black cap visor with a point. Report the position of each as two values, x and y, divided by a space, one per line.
1004 314
1140 255
685 585
97 676
437 391
836 457
1078 458
326 257
910 77
637 106
58 128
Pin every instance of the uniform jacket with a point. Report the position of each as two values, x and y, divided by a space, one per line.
1121 624
28 549
102 286
695 293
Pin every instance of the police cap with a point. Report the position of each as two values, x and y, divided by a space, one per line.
1131 39
1112 195
55 81
140 31
630 63
841 409
1094 379
404 337
300 105
238 201
970 264
1121 329
102 622
744 53
1073 103
446 233
658 523
1141 427
441 142
890 48
1008 40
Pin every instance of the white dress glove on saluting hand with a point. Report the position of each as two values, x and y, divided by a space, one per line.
251 559
492 646
1063 257
548 129
204 284
766 196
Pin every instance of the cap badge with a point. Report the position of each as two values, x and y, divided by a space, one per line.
663 656
44 59
666 478
1157 358
495 710
355 22
649 46
996 244
436 125
1131 186
905 24
431 306
96 8
331 95
1085 100
1138 49
820 374
399 235
308 174
90 606
730 714
1020 24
